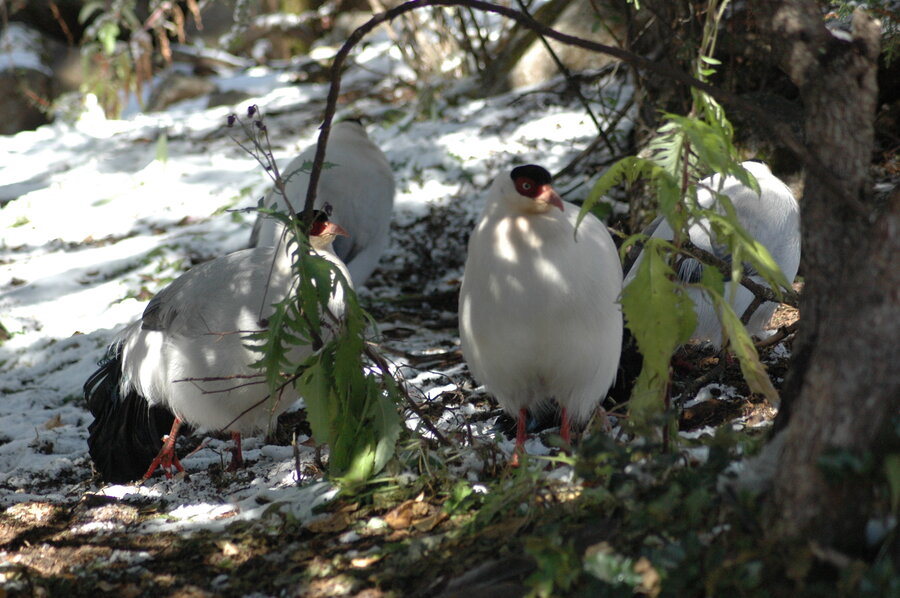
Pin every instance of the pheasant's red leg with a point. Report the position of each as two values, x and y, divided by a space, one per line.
520 438
166 458
237 458
564 428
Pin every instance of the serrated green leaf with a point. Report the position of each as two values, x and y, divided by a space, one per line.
388 422
350 409
627 169
712 279
609 179
669 198
361 464
661 317
313 385
744 248
752 369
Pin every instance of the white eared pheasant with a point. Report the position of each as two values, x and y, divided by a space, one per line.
358 184
538 311
772 217
187 356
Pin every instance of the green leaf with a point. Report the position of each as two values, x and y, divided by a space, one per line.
617 173
388 423
349 406
667 148
627 169
744 248
661 317
557 565
315 389
603 563
107 35
89 9
712 148
753 370
162 148
461 498
712 279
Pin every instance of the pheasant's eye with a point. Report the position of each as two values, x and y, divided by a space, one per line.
526 187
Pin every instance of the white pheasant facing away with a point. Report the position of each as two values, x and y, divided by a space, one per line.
538 311
772 217
358 184
187 356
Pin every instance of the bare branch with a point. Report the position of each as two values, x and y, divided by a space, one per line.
762 118
381 363
780 335
763 292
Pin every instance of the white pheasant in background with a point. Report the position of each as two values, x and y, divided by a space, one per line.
187 356
772 217
358 183
538 311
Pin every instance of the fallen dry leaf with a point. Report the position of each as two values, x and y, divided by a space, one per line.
406 513
336 522
54 422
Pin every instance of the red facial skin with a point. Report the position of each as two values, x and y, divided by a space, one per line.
540 193
321 228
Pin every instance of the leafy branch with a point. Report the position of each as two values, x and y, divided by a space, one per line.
656 305
352 406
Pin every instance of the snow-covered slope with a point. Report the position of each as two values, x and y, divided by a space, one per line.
94 222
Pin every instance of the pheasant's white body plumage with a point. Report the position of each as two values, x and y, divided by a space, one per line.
538 311
357 182
772 217
195 330
186 359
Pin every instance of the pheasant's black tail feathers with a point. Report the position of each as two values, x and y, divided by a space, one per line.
126 433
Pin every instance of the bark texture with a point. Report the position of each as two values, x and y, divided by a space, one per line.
844 387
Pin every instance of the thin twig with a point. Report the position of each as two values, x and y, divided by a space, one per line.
573 85
295 448
751 309
789 297
781 334
587 151
381 363
761 117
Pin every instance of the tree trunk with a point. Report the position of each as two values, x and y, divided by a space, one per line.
844 386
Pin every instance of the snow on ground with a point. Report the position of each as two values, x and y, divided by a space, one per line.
94 222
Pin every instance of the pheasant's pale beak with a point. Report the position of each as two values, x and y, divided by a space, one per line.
336 230
549 196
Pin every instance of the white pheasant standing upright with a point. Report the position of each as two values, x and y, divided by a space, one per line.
357 183
538 311
187 356
772 217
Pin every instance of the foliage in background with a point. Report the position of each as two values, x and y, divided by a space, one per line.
352 406
117 48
